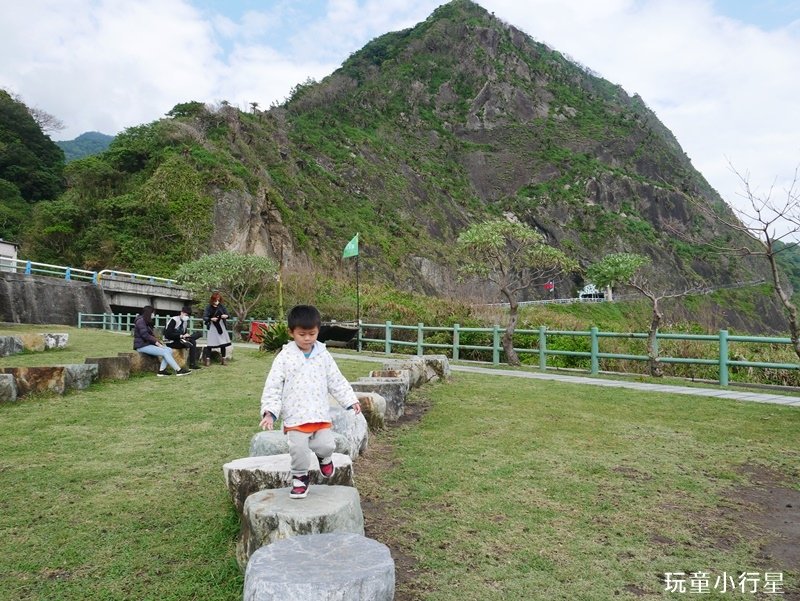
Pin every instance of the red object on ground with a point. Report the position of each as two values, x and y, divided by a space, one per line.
255 331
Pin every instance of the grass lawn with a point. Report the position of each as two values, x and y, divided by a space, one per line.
503 490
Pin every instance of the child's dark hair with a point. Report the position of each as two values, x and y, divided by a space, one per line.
304 316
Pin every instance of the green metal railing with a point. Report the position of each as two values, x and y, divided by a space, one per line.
723 360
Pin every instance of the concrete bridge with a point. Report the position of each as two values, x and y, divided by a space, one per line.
40 293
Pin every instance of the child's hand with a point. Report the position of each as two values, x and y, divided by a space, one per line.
356 407
267 422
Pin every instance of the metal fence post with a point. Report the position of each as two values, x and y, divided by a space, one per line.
595 350
360 335
80 318
723 357
420 336
456 341
388 333
543 348
496 345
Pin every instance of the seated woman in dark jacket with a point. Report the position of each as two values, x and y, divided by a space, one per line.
145 341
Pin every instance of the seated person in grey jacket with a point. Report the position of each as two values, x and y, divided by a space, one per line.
178 335
297 388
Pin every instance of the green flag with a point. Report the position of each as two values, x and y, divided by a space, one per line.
351 250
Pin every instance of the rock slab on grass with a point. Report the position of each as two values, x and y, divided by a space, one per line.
322 567
393 390
245 476
10 345
271 515
353 427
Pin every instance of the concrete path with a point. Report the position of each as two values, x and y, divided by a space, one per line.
739 395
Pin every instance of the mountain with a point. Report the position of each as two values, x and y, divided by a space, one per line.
86 144
418 135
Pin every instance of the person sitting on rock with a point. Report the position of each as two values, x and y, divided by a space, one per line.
297 388
177 332
145 341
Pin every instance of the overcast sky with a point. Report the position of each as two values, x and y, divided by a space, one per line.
722 75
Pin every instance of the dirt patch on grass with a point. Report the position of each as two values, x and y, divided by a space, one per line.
379 501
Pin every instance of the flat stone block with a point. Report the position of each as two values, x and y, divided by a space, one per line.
322 567
79 376
274 442
10 345
403 374
245 476
55 341
141 362
112 368
271 515
373 406
393 390
8 388
37 379
439 363
32 342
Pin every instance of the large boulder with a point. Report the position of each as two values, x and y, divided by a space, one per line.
79 376
274 442
142 363
32 342
419 372
440 364
353 427
245 476
322 567
8 388
271 515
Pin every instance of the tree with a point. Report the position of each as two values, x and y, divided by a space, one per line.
513 256
242 280
771 227
633 270
46 122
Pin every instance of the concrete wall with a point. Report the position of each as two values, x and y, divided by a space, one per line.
40 299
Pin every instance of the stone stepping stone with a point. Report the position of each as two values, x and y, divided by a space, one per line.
373 406
111 368
353 427
322 567
245 476
57 378
271 515
393 390
275 442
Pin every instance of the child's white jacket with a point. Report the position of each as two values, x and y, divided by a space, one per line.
297 388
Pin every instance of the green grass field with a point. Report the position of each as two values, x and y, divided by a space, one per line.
503 490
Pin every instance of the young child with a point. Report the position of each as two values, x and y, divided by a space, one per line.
297 388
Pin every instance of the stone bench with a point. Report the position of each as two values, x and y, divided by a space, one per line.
322 567
111 368
245 476
393 390
57 378
10 345
271 515
275 442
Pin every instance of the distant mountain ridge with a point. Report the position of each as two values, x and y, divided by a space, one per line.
418 135
86 144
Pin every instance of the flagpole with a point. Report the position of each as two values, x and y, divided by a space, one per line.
358 311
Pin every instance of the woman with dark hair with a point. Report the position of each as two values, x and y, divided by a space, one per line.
217 336
145 341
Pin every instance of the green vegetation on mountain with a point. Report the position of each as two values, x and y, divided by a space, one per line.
30 166
419 135
86 144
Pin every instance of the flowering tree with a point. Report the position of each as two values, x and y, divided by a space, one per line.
242 280
512 256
